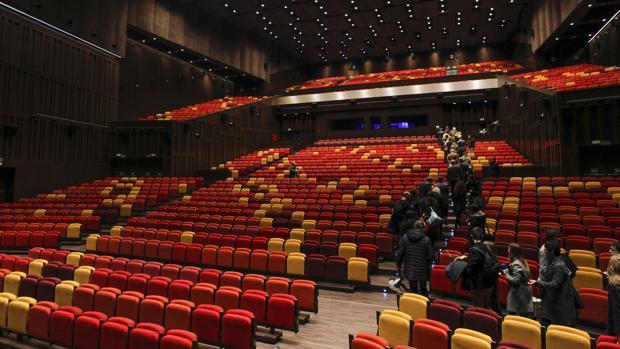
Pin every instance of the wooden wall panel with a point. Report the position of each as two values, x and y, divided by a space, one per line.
187 148
49 153
153 82
530 121
541 19
103 23
190 26
47 73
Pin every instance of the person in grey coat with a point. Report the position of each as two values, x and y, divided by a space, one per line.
416 252
557 292
518 274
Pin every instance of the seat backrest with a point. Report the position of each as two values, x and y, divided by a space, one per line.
395 328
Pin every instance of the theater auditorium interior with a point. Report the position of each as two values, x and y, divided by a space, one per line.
183 174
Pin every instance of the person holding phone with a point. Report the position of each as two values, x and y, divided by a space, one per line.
518 273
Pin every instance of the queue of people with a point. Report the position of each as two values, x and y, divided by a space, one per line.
417 233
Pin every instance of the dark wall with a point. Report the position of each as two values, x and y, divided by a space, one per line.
304 125
103 23
404 62
153 82
605 50
49 154
55 96
590 123
182 149
187 24
530 122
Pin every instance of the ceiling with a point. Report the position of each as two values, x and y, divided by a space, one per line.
340 30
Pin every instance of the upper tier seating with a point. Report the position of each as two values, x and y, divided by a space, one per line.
253 161
202 109
377 140
504 154
572 78
317 83
411 75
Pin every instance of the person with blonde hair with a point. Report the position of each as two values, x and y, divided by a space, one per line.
613 311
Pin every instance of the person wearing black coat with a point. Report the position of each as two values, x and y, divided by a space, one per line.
471 142
454 175
559 297
425 187
494 168
477 218
425 205
398 212
443 187
416 252
477 277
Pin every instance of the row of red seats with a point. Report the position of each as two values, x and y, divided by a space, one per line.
68 326
412 74
305 291
245 237
25 239
334 268
376 140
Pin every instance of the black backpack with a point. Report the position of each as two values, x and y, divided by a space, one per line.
490 268
572 268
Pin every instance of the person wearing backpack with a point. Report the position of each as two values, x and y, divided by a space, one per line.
482 271
559 298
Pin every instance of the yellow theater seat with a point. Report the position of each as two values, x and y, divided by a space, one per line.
561 337
297 234
82 274
187 237
414 305
74 258
125 210
308 224
298 215
395 327
292 246
583 258
74 230
295 264
275 244
18 314
36 267
12 280
357 270
39 212
116 230
86 213
361 203
347 250
259 213
91 242
523 330
5 300
63 294
588 278
266 222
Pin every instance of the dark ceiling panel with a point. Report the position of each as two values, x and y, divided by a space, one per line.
335 30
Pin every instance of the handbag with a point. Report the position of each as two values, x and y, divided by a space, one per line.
455 270
434 219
